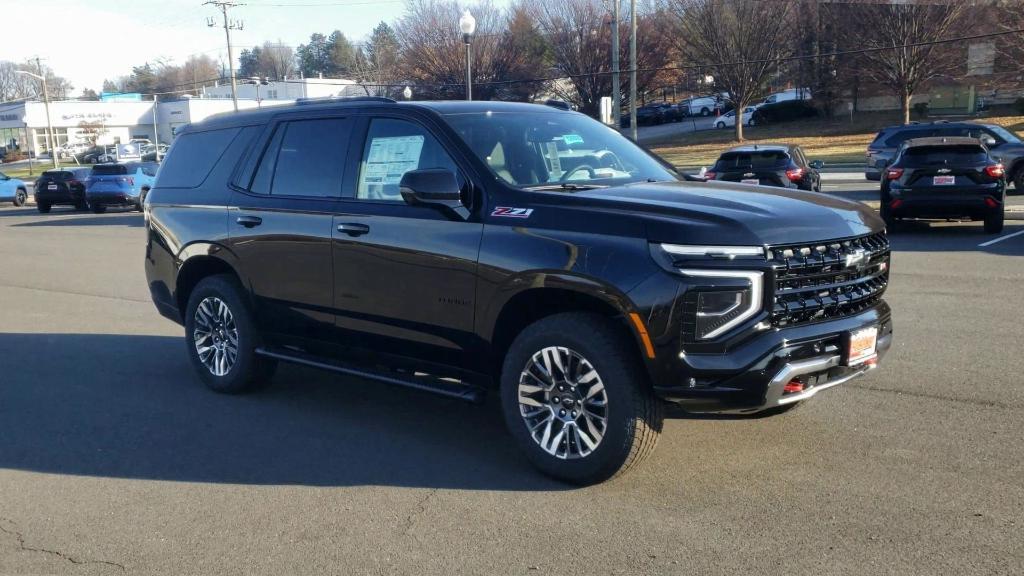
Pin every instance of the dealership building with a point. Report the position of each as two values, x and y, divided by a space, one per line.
23 124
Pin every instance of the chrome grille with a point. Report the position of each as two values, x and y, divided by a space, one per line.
826 280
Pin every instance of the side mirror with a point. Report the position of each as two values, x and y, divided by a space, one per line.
435 187
816 164
988 140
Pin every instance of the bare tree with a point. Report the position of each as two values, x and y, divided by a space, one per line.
91 131
893 28
738 42
579 36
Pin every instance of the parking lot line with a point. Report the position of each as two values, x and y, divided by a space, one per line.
1000 239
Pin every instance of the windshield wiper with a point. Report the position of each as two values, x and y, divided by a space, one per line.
565 186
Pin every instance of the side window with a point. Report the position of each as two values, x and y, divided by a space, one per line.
394 147
311 158
194 156
265 172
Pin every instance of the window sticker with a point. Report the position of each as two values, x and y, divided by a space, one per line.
389 159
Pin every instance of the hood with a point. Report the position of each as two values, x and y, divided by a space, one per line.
727 213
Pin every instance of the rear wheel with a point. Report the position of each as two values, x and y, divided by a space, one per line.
994 223
99 208
885 210
142 200
43 207
82 206
1018 180
705 112
719 125
20 197
576 399
222 339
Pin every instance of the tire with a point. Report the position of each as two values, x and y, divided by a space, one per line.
82 206
994 223
43 207
632 415
751 122
705 112
1018 180
20 197
99 208
885 211
142 201
719 125
221 372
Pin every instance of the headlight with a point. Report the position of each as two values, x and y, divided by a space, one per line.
727 252
719 308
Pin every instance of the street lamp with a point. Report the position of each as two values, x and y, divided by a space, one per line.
259 82
468 25
49 124
407 93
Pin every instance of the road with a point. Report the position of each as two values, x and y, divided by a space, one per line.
115 459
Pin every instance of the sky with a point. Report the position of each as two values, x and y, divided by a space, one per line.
87 41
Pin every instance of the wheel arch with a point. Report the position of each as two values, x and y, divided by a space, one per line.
200 261
568 295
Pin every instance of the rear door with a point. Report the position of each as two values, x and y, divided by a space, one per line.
945 168
404 276
280 224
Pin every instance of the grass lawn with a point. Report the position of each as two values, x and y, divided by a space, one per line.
832 140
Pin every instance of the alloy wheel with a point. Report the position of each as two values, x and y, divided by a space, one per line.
215 336
563 403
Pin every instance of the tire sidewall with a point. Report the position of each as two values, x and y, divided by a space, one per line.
239 377
20 197
619 380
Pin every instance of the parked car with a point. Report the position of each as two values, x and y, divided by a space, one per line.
781 165
71 149
669 112
944 177
12 190
149 152
728 119
95 153
57 187
703 106
120 184
1001 142
456 247
645 116
791 94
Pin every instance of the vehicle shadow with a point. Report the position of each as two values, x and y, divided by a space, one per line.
130 406
130 219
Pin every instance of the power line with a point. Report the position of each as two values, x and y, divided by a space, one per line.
229 25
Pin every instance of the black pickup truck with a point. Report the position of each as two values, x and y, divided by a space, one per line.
459 247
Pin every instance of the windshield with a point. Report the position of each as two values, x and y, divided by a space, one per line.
765 159
544 148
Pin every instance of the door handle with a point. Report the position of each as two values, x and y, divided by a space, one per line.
353 229
249 221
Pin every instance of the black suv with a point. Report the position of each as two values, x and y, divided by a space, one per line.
455 247
1004 145
944 178
783 165
67 186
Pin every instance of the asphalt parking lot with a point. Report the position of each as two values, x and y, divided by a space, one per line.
115 459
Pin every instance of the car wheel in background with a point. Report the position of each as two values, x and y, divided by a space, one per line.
43 207
705 112
994 223
751 122
20 197
576 399
82 206
885 211
719 125
1018 180
222 339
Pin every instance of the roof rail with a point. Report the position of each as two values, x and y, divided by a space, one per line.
343 99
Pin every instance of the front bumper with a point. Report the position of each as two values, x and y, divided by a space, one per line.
752 377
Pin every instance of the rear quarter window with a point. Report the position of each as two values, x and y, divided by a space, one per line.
193 157
930 155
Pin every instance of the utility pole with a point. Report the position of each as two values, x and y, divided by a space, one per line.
229 25
616 86
632 68
46 103
156 130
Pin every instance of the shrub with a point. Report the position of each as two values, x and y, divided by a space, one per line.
785 110
15 155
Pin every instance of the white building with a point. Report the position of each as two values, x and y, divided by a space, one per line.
287 89
23 124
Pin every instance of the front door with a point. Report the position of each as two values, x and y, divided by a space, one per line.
280 226
404 276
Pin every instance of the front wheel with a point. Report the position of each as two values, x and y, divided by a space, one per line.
720 125
576 399
221 337
994 223
20 197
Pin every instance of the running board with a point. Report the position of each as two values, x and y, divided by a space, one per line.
424 382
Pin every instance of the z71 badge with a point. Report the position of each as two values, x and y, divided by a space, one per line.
509 212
